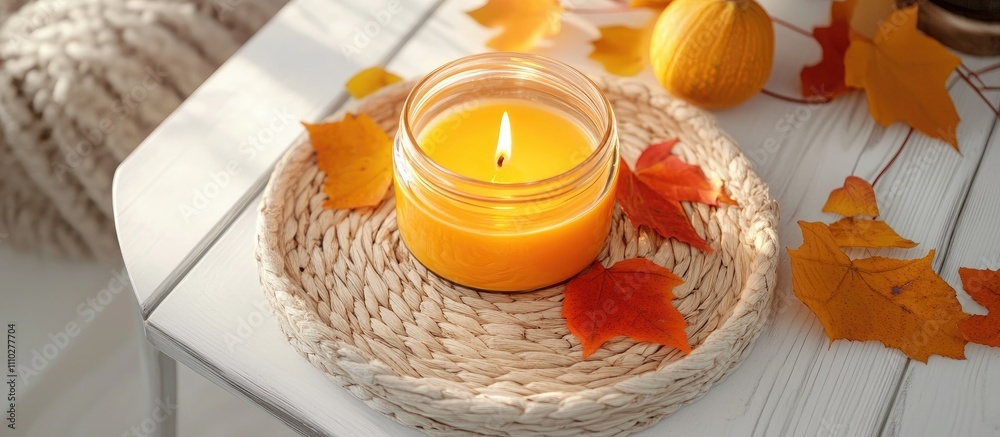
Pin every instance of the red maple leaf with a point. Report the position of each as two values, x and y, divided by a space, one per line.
984 287
652 195
645 207
675 179
632 298
826 79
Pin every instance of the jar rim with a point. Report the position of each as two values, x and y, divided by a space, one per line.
608 131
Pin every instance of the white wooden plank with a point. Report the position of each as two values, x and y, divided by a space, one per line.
952 397
792 383
184 180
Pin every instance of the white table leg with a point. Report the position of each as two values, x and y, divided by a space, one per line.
159 375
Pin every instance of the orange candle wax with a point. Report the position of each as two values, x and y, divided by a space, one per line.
519 242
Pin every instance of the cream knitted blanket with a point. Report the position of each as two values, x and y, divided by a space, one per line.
82 82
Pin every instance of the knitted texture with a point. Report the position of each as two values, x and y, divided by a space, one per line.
453 361
8 7
82 83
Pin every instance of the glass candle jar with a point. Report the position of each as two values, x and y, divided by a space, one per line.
505 170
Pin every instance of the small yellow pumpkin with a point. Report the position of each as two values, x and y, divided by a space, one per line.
713 53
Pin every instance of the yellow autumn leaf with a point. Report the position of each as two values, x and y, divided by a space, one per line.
523 22
856 197
902 303
622 50
904 73
855 232
369 80
356 156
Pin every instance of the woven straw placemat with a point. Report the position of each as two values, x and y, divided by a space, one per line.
454 361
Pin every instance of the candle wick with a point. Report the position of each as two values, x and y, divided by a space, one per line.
500 161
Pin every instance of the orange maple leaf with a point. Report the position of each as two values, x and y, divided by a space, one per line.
855 232
655 4
984 287
826 79
369 80
356 156
621 49
524 22
901 303
633 298
675 179
867 16
904 73
856 197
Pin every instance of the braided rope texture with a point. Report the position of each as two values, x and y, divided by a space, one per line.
82 83
454 361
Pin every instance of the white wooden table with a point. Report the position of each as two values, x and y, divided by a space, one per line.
185 207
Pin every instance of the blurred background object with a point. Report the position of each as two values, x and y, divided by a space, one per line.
82 83
983 10
969 26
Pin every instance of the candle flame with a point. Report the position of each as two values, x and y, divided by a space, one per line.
503 143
